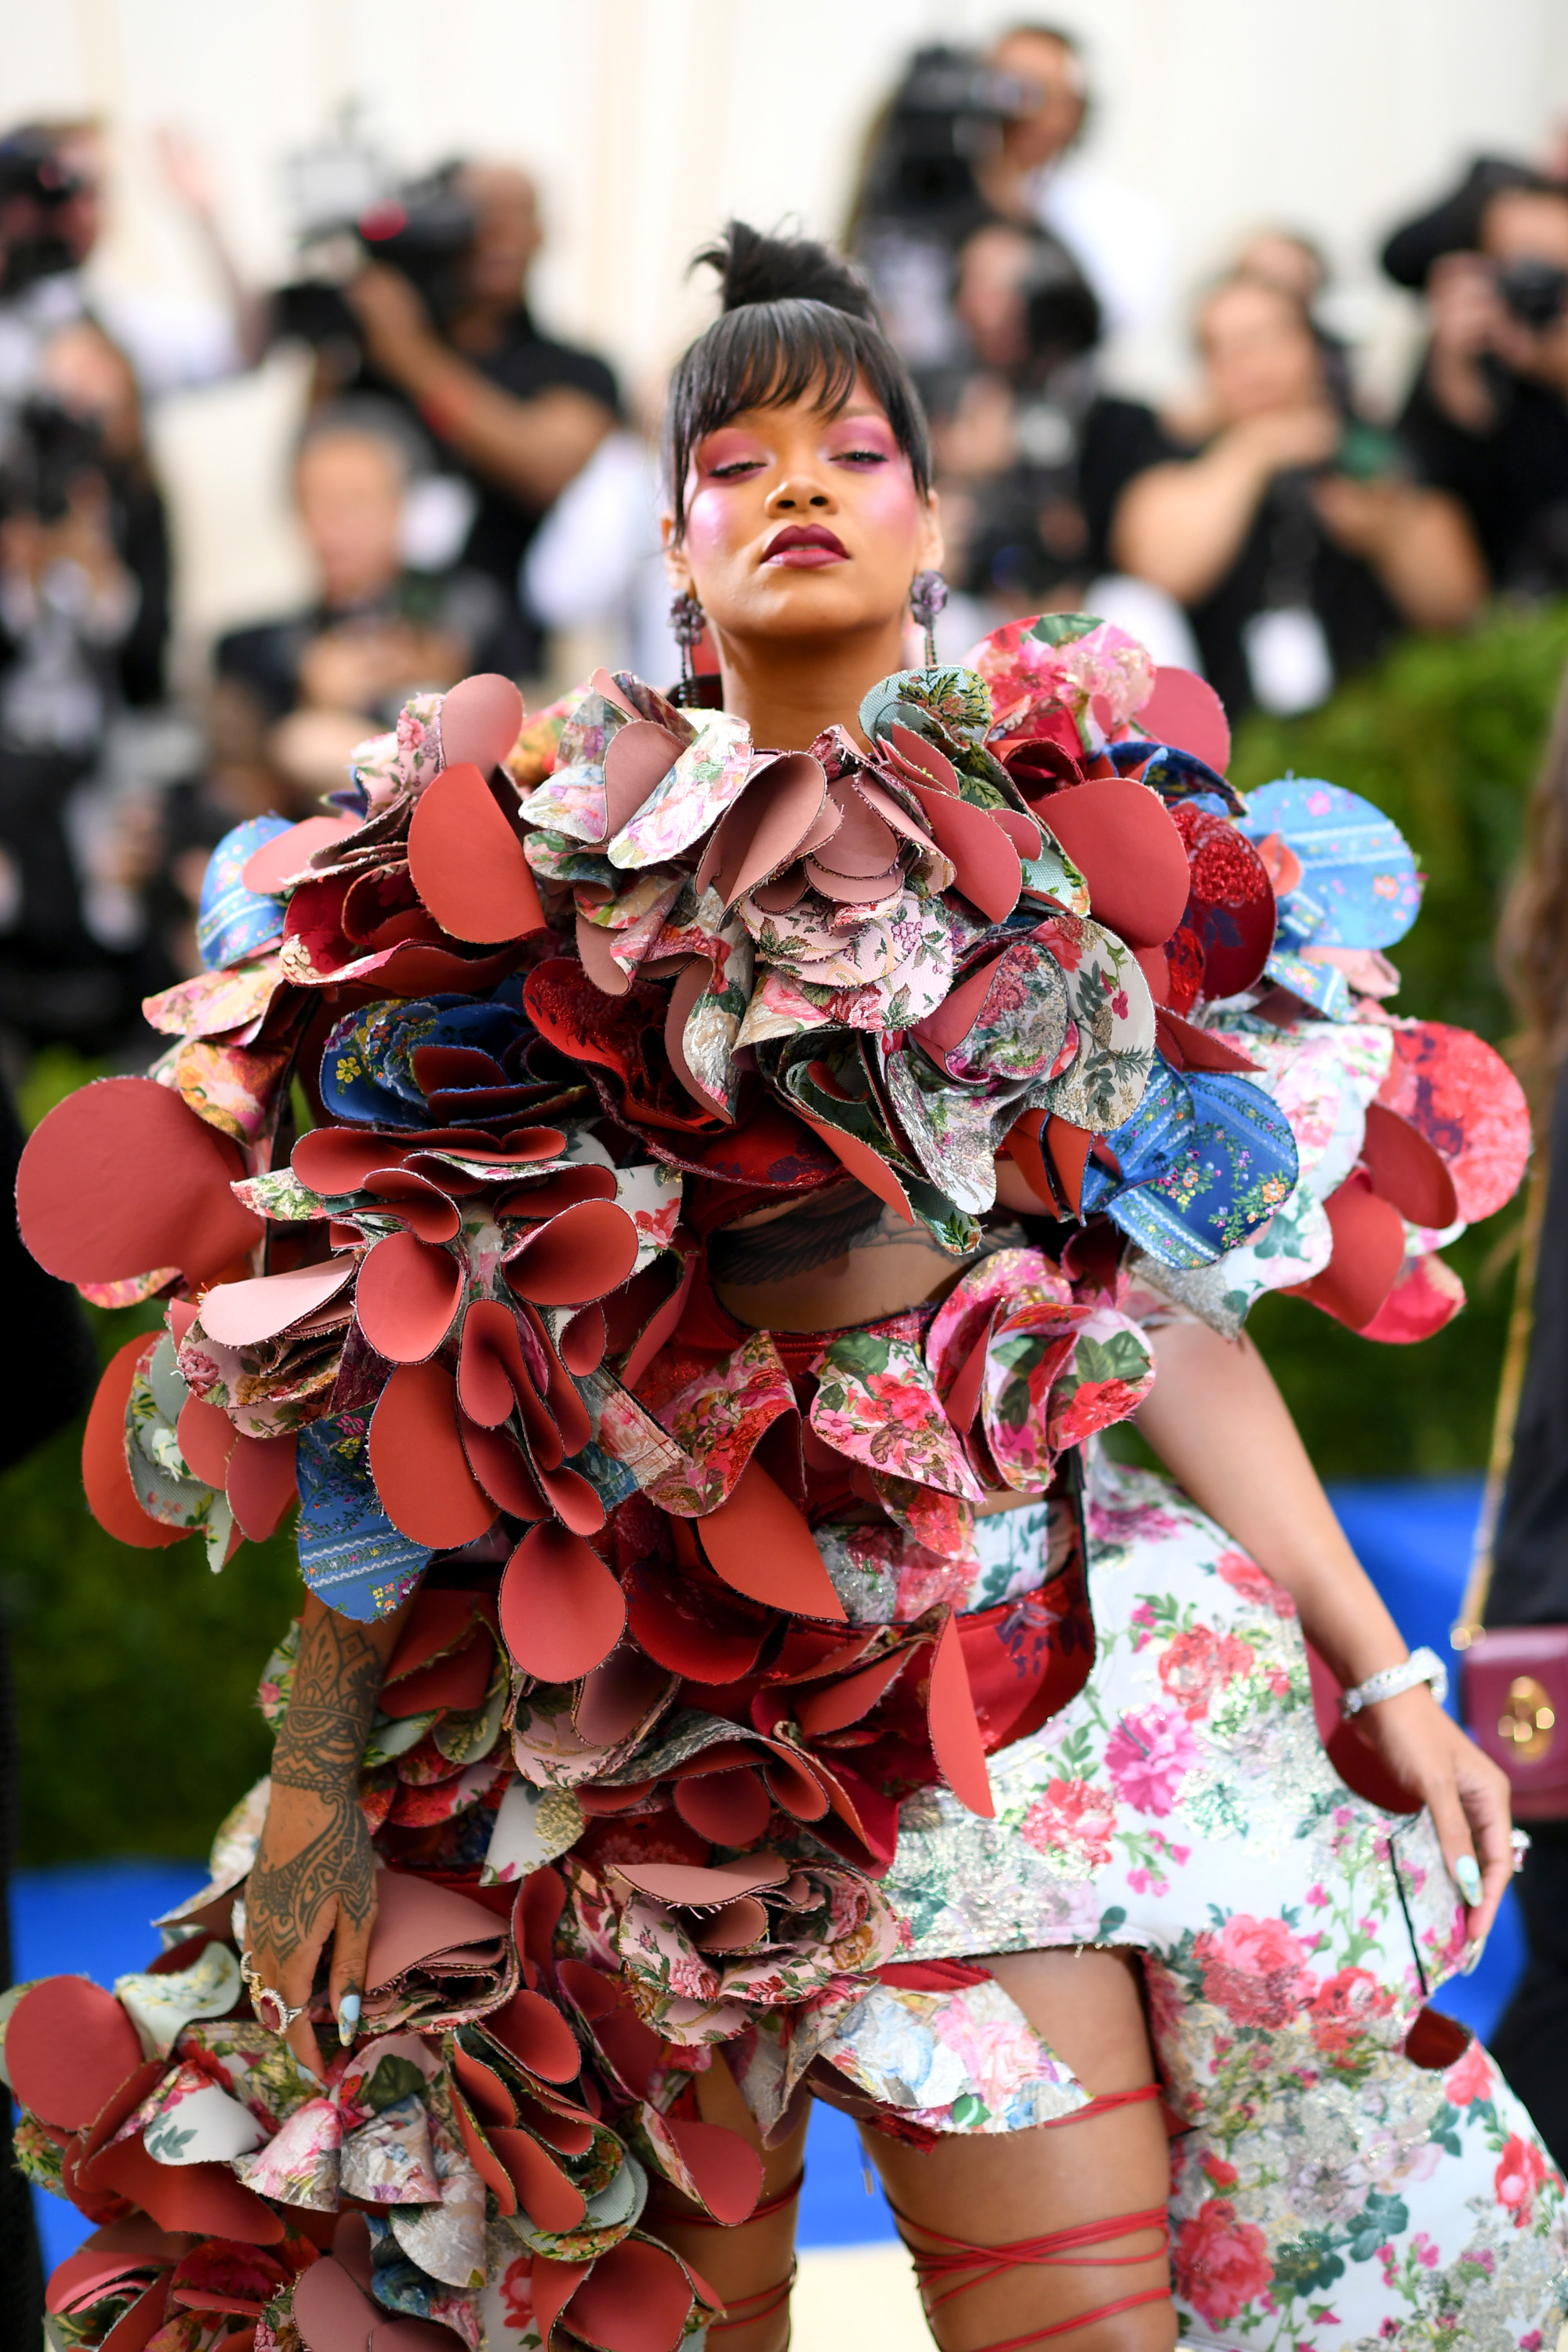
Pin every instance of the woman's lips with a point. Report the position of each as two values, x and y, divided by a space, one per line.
805 547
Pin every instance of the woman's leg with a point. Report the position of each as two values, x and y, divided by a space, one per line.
752 2265
998 2190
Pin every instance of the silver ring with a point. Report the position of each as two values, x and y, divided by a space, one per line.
1521 1841
273 2013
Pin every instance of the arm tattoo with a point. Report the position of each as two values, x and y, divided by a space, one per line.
336 1684
337 1680
828 1225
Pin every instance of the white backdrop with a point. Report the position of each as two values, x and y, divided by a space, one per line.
648 122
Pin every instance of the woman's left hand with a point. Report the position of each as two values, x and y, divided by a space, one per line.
1465 1791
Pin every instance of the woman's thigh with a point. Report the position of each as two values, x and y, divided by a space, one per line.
990 2190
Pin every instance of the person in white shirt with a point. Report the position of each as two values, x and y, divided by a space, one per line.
1120 238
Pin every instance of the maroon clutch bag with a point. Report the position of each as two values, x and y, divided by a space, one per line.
1514 1678
1516 1708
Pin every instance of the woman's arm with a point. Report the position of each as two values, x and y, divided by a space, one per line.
314 1873
1221 1427
1181 526
1416 541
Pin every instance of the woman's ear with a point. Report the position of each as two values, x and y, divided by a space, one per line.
933 546
677 570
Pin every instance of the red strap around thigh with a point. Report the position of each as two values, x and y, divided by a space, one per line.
949 2258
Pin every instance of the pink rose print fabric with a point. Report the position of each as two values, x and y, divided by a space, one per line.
1327 2190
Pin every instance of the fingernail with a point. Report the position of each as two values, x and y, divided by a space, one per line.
1468 1877
348 2018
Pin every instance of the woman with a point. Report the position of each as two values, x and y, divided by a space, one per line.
1290 534
765 1221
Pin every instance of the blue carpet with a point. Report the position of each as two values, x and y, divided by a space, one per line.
1415 1541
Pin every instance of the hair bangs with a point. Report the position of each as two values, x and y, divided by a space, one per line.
770 354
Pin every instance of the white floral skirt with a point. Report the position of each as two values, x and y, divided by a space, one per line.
1326 2190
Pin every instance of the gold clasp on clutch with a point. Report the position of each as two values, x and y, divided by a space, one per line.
1530 1721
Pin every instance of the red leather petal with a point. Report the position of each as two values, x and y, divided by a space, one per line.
728 2171
417 1459
110 1496
69 2047
1406 1170
338 1159
538 2036
638 758
205 1438
989 873
542 2188
727 1808
1122 839
468 863
954 1733
1369 1250
331 2312
759 1542
262 1483
501 1465
405 1298
122 1177
561 1609
635 2299
580 1255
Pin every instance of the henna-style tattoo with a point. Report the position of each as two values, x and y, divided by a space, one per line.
827 1225
337 1680
837 1224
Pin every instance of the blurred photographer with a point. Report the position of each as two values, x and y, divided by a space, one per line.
1489 413
83 616
1294 533
967 138
440 325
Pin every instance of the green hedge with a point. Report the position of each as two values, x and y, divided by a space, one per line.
136 1670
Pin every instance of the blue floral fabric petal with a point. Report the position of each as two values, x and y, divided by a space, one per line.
1207 1159
1355 864
233 922
351 1554
1175 775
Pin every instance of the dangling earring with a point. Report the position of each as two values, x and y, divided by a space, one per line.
928 594
686 622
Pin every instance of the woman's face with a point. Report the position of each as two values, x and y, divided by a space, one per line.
1258 352
800 525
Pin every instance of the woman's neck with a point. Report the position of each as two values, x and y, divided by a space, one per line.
789 692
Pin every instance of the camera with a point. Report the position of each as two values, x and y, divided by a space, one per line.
1534 292
424 228
46 455
945 116
38 186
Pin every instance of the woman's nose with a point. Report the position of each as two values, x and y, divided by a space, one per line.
798 492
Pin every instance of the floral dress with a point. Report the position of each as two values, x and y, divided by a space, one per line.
730 1718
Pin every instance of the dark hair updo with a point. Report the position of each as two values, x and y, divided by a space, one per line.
795 319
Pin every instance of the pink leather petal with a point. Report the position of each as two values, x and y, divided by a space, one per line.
237 1313
480 719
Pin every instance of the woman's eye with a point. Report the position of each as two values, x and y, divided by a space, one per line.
861 456
733 469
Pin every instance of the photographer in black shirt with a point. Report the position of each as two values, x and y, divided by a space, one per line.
513 414
1487 418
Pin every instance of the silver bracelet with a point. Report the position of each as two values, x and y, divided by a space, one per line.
1422 1665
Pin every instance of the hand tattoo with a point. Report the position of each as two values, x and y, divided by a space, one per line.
336 1684
826 1226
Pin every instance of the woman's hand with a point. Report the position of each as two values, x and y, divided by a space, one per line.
1465 1791
313 1880
314 1873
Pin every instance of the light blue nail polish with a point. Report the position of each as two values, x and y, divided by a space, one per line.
1467 1878
348 2018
